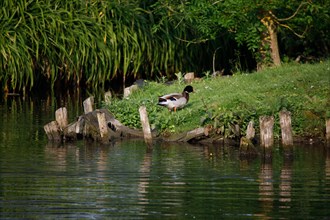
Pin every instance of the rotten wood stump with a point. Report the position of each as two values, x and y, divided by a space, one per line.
99 125
286 129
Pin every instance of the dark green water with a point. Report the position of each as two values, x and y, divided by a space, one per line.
125 180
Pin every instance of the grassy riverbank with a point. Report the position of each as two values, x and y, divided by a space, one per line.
223 102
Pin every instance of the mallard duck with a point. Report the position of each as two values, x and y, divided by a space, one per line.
175 101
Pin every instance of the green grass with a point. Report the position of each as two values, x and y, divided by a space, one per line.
223 102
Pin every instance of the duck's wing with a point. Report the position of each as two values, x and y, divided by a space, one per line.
172 97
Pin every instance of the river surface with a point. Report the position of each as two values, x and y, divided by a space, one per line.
126 180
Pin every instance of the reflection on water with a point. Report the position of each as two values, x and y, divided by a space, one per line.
285 183
266 188
267 193
144 179
126 179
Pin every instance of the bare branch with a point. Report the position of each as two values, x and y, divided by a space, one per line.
293 15
295 33
197 41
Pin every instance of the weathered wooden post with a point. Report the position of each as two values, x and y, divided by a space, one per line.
88 104
286 130
103 126
61 116
145 125
266 131
327 130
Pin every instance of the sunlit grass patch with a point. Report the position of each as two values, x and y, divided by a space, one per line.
223 102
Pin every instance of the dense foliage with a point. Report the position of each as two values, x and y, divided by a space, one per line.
93 42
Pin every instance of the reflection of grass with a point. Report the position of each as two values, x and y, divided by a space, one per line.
225 101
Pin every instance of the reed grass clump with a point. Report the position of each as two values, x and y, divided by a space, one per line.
87 42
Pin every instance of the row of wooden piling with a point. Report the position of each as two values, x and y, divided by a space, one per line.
266 129
101 126
266 124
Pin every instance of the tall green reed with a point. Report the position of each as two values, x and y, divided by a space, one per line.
84 41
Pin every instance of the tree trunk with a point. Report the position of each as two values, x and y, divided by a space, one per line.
274 46
270 39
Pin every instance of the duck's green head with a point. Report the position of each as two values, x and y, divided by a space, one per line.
188 89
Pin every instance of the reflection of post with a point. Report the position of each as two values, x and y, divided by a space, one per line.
286 181
327 166
101 171
206 152
266 188
102 161
144 177
56 156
